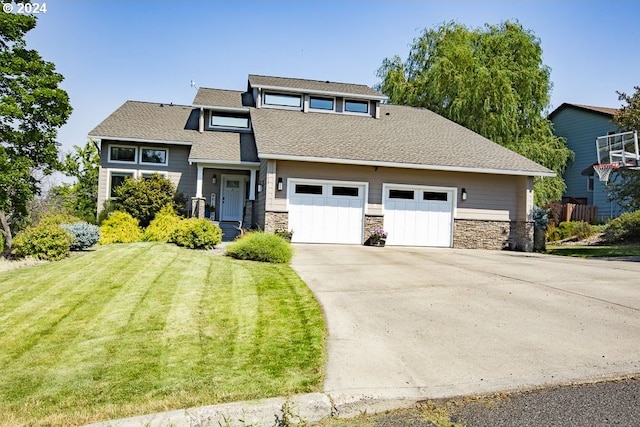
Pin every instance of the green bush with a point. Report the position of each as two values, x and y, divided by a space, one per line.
46 241
1 244
84 234
143 198
567 229
58 218
261 246
162 226
625 228
120 227
197 233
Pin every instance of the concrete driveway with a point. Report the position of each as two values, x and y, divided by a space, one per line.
428 323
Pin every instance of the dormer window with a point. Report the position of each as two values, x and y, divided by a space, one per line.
353 106
219 120
283 100
324 104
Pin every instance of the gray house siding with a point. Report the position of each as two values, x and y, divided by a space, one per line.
580 128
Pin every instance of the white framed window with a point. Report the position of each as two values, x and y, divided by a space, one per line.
356 106
149 174
123 154
225 121
117 178
322 103
282 100
154 156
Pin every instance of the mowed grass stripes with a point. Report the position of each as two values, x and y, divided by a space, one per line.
148 327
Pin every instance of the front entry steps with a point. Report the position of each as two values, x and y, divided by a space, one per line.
230 230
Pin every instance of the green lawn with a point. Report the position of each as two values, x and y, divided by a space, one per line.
147 327
594 251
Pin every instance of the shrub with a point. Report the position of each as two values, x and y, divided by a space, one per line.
45 241
197 233
564 230
107 209
84 234
261 246
1 244
162 226
58 218
120 227
143 198
625 228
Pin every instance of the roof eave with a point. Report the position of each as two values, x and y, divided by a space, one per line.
143 140
222 108
322 92
444 168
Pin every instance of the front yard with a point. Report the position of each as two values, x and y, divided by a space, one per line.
147 327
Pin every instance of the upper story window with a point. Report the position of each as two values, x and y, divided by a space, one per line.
352 106
156 156
318 103
122 154
224 121
283 100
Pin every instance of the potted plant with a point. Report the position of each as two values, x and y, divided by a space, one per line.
378 237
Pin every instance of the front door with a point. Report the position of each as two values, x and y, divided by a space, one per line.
232 198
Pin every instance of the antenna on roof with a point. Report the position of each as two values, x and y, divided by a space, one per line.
193 84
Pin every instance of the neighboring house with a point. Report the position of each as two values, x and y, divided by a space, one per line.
580 125
329 161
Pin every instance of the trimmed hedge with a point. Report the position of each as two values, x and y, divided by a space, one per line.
162 226
120 227
623 229
47 241
261 246
197 233
85 235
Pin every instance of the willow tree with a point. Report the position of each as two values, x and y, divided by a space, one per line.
491 80
32 109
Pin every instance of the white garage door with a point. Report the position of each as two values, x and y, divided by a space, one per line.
418 216
326 212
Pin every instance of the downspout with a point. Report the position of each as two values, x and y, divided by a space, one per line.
201 121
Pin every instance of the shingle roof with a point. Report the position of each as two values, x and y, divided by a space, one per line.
222 98
601 110
168 123
402 135
314 86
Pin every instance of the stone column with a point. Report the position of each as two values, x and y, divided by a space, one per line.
197 207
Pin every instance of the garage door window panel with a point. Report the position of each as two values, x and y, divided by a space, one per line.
401 194
308 189
345 191
435 196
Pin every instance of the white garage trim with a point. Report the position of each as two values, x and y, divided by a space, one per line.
322 216
419 221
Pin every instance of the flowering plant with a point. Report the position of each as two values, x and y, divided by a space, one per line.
379 233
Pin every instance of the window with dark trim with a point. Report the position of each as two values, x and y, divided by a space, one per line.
401 194
283 100
117 179
153 156
308 189
435 195
317 103
345 191
356 106
122 154
590 183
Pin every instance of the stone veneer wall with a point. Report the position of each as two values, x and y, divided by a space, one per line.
197 207
276 220
371 222
496 235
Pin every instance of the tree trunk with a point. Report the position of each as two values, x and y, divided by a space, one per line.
6 233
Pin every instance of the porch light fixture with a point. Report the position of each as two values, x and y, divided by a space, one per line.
279 184
260 187
214 179
463 194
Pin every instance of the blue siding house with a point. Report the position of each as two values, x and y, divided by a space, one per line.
580 125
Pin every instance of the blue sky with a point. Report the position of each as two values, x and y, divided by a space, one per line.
112 51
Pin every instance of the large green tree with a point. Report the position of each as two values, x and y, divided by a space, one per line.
32 109
625 186
81 197
491 80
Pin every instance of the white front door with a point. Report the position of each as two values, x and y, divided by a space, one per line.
232 199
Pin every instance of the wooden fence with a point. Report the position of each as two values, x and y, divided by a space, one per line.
573 212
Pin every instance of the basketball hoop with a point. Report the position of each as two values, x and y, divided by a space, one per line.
604 170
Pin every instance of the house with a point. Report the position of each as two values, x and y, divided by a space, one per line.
580 126
330 161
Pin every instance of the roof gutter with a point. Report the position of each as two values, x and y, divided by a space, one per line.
407 165
322 92
225 109
146 141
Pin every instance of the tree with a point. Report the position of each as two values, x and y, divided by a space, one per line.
81 197
491 80
32 109
143 198
625 187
